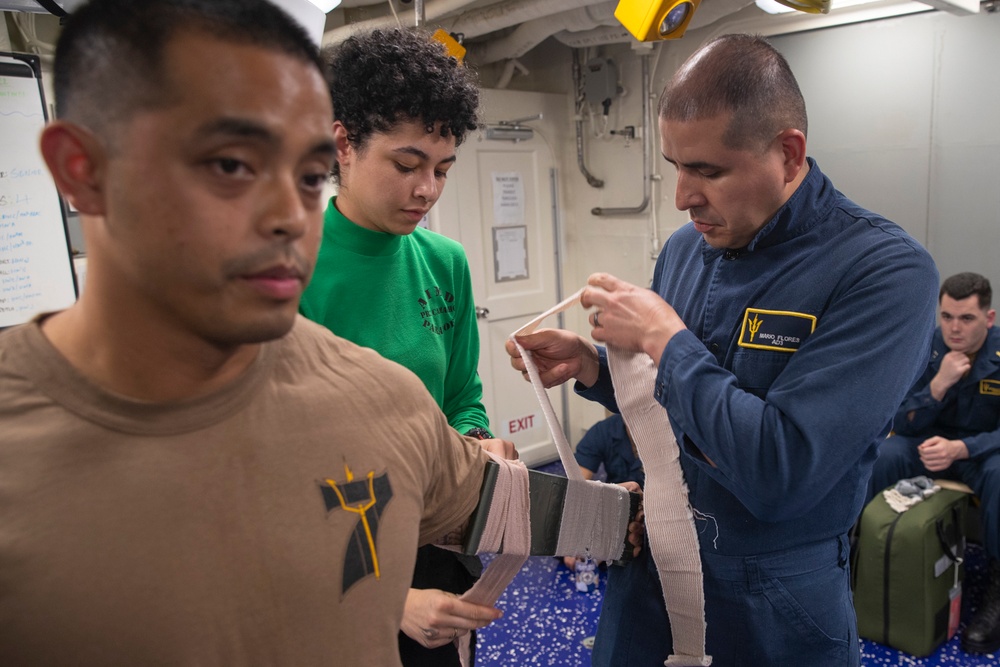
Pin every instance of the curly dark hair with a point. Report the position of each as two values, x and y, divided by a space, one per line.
383 77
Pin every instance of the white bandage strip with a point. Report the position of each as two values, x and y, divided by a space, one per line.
670 531
579 533
562 445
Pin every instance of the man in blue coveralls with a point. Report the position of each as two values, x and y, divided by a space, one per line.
608 442
949 427
777 359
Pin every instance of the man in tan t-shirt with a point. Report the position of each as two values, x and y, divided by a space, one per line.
190 473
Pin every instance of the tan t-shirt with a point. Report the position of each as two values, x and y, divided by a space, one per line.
274 522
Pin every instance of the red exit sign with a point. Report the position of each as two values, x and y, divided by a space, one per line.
521 424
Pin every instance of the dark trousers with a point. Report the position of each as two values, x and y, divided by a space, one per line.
446 571
783 609
898 459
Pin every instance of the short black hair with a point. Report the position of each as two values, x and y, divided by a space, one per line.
963 285
743 75
109 57
384 77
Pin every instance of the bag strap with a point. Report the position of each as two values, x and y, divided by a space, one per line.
951 551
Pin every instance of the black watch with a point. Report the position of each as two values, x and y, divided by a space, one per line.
480 433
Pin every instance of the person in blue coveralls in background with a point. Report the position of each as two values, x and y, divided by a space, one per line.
786 324
949 427
607 442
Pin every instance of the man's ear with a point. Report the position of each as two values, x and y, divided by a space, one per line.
991 317
793 151
76 160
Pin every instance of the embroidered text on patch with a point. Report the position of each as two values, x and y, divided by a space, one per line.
780 330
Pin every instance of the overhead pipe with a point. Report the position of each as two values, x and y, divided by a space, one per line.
646 133
485 20
508 72
472 23
596 37
499 15
530 34
592 180
432 11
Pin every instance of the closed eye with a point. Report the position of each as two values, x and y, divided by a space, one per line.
700 169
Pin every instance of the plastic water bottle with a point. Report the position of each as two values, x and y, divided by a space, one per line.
585 575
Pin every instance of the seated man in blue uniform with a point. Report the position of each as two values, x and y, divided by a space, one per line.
607 442
778 361
949 427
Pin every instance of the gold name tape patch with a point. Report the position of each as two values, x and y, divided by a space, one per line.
989 387
780 330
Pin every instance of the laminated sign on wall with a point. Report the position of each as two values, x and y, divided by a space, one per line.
36 272
510 233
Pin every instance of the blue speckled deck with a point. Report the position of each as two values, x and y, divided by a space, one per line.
547 622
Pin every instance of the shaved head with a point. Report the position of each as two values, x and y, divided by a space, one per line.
742 75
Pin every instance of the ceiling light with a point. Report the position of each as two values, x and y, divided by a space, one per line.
773 7
310 14
808 6
325 5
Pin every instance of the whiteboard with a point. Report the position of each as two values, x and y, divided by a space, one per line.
36 271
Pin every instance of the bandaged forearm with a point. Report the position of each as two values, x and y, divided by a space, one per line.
564 517
594 520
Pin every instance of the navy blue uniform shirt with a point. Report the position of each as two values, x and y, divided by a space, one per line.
969 411
799 349
607 442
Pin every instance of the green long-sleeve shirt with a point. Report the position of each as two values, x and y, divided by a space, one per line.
410 299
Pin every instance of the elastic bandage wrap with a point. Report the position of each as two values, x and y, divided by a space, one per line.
507 529
670 532
594 520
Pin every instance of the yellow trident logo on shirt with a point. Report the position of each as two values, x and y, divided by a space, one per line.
367 499
754 325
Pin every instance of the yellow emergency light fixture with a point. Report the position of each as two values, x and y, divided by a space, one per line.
651 20
451 44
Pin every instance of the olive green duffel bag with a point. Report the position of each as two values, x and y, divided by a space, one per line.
907 571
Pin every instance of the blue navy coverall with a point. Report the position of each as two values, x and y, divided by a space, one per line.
798 351
970 412
607 442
